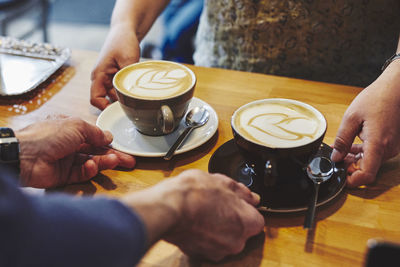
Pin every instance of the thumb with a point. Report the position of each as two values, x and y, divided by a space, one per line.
348 130
369 164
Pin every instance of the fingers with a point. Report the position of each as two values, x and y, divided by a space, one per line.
356 149
110 160
240 189
116 54
86 167
368 165
254 221
224 214
104 162
95 142
87 171
101 88
93 154
245 193
112 95
354 156
125 160
94 135
348 130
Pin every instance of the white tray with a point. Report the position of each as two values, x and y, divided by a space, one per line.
24 65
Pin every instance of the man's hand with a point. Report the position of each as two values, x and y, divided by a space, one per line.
64 150
205 215
120 49
374 115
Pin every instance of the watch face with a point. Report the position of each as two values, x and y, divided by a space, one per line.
6 132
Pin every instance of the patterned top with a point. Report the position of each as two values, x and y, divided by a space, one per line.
340 41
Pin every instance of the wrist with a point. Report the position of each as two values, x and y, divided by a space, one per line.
394 57
119 25
126 27
159 207
391 75
126 31
26 156
394 66
9 150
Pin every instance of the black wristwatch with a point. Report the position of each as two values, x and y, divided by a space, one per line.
9 149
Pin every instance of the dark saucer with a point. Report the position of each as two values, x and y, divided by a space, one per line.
291 195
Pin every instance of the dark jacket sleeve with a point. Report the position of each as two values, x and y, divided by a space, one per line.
60 230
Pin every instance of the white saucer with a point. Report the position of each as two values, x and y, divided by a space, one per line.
127 139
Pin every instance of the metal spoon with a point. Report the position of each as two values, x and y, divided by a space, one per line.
196 117
319 170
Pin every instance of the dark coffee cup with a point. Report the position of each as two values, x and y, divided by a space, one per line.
277 136
155 94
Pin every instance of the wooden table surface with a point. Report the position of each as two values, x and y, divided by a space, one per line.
343 226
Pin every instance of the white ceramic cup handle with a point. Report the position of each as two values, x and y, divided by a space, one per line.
167 119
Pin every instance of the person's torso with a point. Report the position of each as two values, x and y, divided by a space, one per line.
341 41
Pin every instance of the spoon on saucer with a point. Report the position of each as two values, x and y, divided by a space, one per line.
195 118
319 170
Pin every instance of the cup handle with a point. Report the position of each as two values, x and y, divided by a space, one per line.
167 119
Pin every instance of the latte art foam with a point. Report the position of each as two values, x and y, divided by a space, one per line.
155 80
277 123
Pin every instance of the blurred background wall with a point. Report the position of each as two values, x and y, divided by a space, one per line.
84 24
81 11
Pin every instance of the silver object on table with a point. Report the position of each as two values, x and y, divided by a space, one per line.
195 118
319 170
24 65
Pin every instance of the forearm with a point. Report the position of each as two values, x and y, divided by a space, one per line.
64 231
390 77
138 14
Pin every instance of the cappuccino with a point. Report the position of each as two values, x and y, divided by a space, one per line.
154 80
279 123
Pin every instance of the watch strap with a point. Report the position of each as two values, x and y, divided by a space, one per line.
390 60
9 148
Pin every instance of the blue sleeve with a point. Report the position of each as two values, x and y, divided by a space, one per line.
60 230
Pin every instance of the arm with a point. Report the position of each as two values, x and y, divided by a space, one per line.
191 210
130 21
138 15
205 215
374 117
58 230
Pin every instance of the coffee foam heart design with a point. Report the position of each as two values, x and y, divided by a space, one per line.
155 80
279 124
282 126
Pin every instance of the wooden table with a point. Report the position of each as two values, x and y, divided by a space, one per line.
343 226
